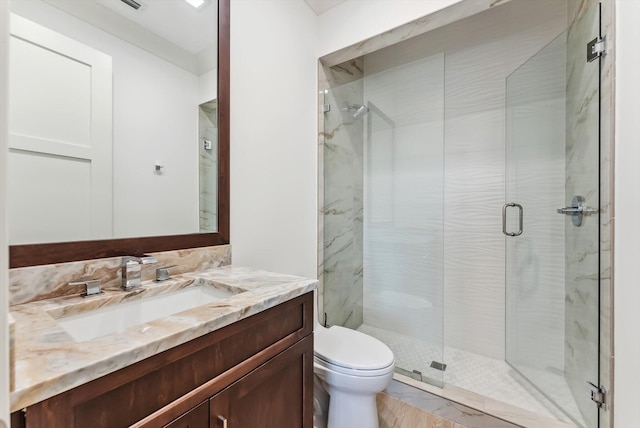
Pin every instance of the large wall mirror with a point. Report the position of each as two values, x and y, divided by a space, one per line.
118 128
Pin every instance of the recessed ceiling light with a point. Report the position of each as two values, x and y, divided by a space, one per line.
196 3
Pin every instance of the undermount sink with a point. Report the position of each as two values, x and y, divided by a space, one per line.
117 318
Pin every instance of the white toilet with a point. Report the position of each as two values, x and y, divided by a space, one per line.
353 367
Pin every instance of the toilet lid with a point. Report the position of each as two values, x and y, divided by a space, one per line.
351 349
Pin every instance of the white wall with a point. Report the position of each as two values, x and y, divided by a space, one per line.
208 86
627 207
357 20
4 280
273 135
146 203
140 114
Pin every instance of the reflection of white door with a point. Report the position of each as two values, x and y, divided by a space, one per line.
60 138
4 242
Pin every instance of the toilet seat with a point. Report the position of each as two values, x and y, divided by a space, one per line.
352 372
352 353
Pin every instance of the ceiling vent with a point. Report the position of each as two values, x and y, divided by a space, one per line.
134 4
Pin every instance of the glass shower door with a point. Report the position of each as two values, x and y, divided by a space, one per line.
551 221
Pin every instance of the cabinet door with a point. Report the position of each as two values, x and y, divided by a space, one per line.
277 394
198 417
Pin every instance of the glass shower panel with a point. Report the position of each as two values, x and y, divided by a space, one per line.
551 255
342 209
403 214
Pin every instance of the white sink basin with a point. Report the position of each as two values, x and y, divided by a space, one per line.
117 318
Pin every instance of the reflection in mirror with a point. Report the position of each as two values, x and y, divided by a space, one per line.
107 137
208 165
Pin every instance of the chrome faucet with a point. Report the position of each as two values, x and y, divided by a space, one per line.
132 270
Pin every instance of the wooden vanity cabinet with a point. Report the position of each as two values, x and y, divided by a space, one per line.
271 396
268 397
257 372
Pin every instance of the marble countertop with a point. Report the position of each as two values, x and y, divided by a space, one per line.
49 361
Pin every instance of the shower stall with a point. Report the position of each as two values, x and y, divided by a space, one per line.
459 205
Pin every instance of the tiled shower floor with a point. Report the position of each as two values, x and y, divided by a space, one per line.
482 375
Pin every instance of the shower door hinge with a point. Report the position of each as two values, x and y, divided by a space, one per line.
326 108
598 395
595 49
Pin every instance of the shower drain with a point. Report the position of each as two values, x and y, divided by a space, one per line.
438 366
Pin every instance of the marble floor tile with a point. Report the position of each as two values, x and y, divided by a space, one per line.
499 410
443 408
396 413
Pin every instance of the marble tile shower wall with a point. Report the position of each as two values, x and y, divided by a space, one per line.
582 159
33 283
208 167
342 209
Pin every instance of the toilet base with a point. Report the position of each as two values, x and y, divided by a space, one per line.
353 411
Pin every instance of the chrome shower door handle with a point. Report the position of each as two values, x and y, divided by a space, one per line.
520 219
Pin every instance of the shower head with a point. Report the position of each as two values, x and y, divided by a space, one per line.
358 110
361 111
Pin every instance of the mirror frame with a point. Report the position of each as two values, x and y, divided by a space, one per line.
60 252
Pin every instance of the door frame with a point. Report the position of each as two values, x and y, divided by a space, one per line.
607 100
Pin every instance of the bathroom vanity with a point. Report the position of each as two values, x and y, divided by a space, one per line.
253 367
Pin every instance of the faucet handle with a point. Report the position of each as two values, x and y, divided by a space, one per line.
143 260
162 274
93 287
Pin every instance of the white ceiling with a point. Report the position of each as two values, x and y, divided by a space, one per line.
171 29
174 20
321 6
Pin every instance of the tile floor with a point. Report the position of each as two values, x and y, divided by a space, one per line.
396 413
482 375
